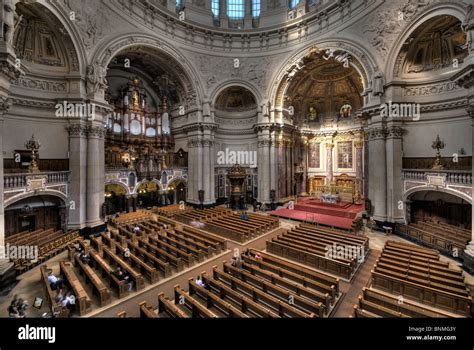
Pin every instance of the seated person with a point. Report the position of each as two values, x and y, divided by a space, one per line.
123 276
55 282
13 310
200 282
69 302
235 261
85 258
136 230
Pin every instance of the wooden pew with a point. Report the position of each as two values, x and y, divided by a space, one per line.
98 286
213 300
82 298
51 295
146 312
167 306
134 275
246 304
281 307
197 310
106 270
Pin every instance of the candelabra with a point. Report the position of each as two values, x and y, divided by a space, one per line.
33 146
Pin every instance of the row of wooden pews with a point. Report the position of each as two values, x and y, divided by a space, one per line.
130 218
416 274
261 286
449 239
224 222
49 242
322 248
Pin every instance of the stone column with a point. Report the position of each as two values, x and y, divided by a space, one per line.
329 163
95 175
378 172
78 176
3 109
395 205
359 146
304 183
206 170
264 163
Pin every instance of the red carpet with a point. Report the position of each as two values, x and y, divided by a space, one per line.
342 209
339 215
328 220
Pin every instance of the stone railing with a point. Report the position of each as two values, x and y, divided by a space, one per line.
456 182
458 177
18 181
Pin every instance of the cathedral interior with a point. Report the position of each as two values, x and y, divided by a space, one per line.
217 158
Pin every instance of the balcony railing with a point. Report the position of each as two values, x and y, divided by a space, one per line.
15 181
452 177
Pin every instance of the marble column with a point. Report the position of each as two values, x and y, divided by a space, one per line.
395 206
206 171
95 175
378 172
329 163
304 183
78 176
2 215
359 146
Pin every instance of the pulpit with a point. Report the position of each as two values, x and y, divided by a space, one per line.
237 176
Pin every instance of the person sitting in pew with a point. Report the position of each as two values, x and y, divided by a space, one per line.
247 252
201 283
123 276
69 302
22 306
244 216
85 258
235 261
13 310
258 257
136 230
55 282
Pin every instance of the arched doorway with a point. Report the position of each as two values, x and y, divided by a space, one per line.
439 206
34 213
148 194
176 192
236 140
115 199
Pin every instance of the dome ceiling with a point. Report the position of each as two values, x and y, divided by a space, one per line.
322 88
235 98
160 70
41 39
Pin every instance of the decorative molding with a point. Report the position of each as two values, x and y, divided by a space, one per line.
37 84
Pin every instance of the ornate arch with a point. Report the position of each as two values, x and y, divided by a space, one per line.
364 64
235 82
455 9
23 196
459 194
61 14
105 53
121 184
176 179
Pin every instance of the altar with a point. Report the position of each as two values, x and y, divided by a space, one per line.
329 198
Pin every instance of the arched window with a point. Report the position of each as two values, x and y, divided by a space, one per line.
215 7
255 8
179 5
235 9
294 3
